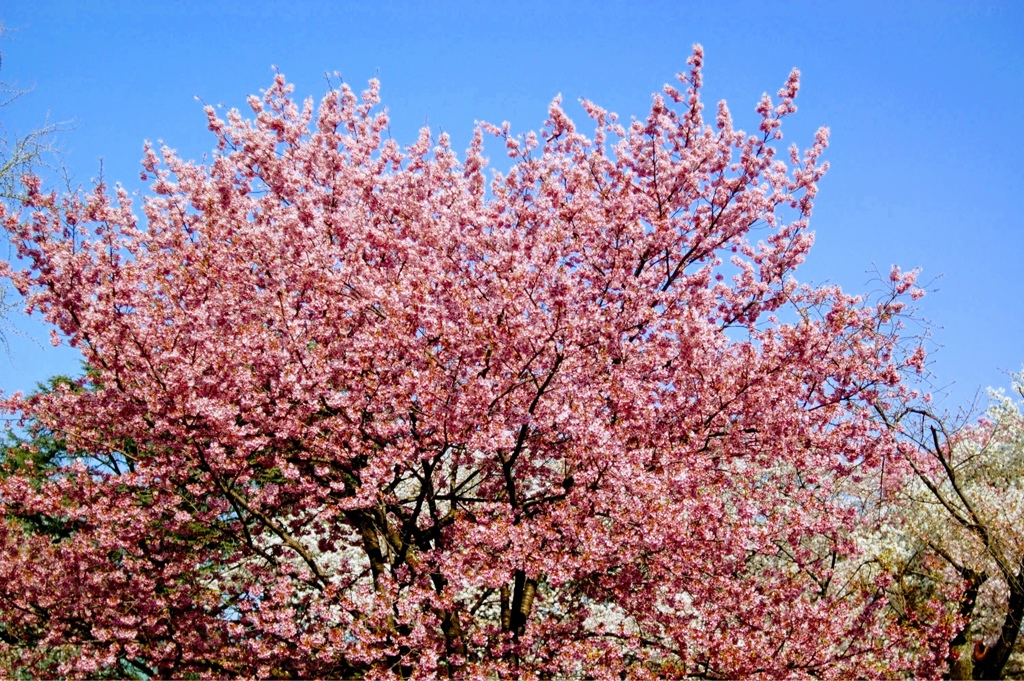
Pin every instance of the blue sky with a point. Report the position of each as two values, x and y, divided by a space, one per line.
925 102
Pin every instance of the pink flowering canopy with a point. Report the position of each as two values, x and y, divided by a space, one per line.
359 410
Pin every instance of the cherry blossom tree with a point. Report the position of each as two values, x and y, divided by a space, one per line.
359 410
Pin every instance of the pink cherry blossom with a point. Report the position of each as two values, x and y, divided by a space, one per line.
359 410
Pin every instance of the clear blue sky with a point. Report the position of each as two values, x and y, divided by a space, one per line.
925 101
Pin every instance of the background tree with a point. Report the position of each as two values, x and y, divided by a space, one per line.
19 155
357 411
956 527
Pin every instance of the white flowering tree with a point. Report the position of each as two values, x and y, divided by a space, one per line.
957 529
